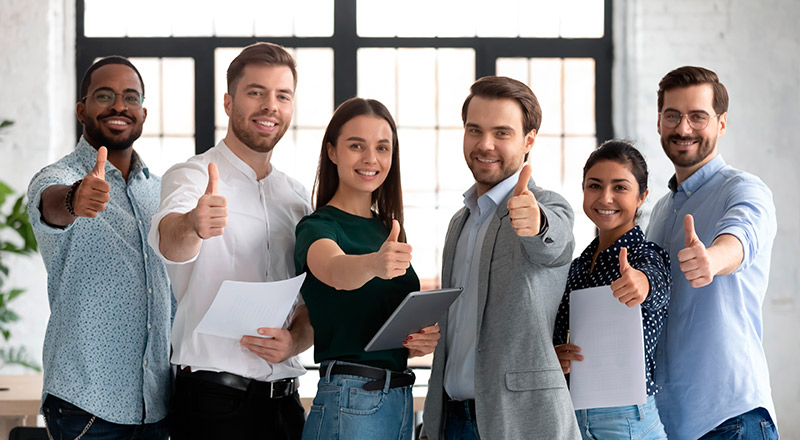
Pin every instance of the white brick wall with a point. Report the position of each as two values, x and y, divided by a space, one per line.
753 47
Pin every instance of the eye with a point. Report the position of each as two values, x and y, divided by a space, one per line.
254 93
621 188
103 96
503 134
356 146
473 130
132 99
592 185
383 148
698 117
285 98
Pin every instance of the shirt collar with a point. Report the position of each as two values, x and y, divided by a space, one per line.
699 177
633 236
490 199
237 163
88 155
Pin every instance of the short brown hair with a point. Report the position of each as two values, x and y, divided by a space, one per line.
496 87
259 53
690 76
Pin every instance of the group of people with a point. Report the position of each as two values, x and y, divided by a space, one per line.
134 261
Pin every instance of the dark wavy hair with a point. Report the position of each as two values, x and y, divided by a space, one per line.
387 200
690 76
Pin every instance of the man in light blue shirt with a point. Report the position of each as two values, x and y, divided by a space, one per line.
718 225
106 350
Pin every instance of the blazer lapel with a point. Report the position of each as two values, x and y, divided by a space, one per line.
448 255
487 249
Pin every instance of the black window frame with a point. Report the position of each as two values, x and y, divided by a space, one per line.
345 43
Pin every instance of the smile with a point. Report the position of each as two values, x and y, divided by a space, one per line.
367 173
606 212
486 160
266 123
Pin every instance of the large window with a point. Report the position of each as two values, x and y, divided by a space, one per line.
419 64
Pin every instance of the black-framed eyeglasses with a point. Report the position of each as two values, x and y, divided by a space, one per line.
697 120
107 98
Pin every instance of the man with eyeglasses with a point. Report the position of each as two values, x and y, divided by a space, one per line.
718 224
106 350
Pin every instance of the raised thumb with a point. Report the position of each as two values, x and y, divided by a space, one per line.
213 178
623 260
688 228
99 169
522 183
395 232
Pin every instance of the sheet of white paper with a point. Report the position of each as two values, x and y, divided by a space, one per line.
241 308
612 344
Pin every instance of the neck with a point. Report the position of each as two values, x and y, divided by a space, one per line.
121 159
608 237
683 173
259 162
356 203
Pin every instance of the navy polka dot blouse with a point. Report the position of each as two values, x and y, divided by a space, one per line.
643 255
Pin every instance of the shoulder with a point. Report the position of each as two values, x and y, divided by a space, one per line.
734 180
292 184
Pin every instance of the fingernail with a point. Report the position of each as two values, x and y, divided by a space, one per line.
405 342
410 338
261 332
422 331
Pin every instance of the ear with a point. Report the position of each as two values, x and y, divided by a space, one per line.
530 138
331 153
642 198
80 111
658 123
144 114
723 124
227 102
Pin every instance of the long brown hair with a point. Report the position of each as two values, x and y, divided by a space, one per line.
387 200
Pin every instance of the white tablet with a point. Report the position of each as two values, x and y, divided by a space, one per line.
417 311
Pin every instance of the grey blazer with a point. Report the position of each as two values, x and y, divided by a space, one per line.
520 392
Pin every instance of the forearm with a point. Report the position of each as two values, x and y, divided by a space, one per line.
301 330
349 272
726 254
53 206
178 240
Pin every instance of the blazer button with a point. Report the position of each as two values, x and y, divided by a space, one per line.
548 240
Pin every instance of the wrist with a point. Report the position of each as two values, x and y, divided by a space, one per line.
69 198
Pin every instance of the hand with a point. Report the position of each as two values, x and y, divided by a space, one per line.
393 258
211 213
566 354
523 208
632 287
424 342
696 263
275 347
91 196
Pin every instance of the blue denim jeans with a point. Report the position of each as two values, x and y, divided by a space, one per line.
635 422
752 425
344 410
461 427
66 421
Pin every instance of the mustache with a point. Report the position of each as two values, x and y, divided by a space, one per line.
677 137
113 113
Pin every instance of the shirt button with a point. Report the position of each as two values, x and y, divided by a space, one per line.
140 222
145 256
149 290
145 362
148 326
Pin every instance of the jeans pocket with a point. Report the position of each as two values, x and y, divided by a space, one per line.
768 430
363 402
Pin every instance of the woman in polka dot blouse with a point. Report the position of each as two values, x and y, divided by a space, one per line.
614 187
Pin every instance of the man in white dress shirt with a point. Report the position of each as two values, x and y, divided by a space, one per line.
227 214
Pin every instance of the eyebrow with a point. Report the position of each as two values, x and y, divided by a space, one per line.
595 179
260 87
128 90
690 111
498 127
358 139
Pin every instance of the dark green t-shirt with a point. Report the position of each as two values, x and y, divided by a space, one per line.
344 321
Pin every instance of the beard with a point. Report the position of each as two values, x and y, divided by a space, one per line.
686 159
95 132
252 139
490 179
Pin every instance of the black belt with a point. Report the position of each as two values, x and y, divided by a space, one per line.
462 409
275 389
397 379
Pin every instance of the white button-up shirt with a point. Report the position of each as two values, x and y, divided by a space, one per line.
257 245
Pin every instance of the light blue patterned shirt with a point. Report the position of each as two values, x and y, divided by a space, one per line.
709 359
106 349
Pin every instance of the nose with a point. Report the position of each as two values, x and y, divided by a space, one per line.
119 103
270 103
607 196
369 156
485 142
683 127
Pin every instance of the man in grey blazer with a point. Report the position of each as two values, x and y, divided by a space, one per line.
495 374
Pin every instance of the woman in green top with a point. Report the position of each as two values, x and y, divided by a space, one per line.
353 248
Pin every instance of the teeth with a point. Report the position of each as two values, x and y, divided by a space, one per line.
116 122
605 212
266 124
367 173
486 160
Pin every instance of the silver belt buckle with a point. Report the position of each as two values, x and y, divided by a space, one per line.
271 389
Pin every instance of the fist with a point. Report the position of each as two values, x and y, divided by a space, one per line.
211 213
632 287
523 208
393 258
694 258
91 196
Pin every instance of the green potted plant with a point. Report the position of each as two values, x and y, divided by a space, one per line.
16 221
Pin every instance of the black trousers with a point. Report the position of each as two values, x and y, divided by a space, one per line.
205 410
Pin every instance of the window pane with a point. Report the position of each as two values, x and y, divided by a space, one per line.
150 69
374 18
377 76
546 162
424 240
178 96
416 87
454 176
278 22
230 19
222 59
455 73
314 95
540 18
386 18
579 96
96 18
499 20
313 18
418 160
583 19
143 20
546 82
197 17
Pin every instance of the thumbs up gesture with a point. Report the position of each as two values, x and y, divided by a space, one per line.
694 258
393 258
632 286
91 196
211 213
523 208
